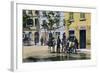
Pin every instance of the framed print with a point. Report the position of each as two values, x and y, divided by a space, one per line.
52 36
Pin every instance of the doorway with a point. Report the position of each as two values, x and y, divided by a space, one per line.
82 34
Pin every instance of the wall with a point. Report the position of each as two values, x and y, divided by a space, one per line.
78 25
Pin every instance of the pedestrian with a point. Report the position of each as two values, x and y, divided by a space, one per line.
41 41
35 40
58 45
54 43
63 42
69 45
50 43
76 44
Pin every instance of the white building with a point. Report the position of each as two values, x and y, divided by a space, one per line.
39 18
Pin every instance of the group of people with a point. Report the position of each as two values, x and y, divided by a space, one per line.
58 45
68 45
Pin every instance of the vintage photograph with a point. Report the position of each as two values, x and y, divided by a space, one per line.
55 36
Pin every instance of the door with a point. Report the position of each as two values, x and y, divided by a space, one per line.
71 32
82 38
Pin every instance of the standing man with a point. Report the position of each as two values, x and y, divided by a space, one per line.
63 42
54 43
50 43
76 44
58 45
41 41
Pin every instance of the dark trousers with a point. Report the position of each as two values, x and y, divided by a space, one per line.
58 48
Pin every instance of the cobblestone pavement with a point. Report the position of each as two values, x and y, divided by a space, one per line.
42 53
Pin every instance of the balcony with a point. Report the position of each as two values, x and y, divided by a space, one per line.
71 20
82 19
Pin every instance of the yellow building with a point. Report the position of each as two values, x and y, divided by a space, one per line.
79 24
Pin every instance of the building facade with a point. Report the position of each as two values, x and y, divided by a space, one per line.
39 23
80 26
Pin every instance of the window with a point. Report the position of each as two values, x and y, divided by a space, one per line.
36 12
44 25
30 12
24 12
44 14
36 22
29 22
82 17
71 15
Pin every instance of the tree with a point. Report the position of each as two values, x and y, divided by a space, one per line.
53 18
45 27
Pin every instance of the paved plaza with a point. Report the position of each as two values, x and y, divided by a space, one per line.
42 54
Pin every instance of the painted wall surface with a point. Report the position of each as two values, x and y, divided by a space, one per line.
78 25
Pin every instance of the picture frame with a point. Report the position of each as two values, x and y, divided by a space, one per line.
17 29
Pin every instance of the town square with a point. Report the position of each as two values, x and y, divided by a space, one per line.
56 36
